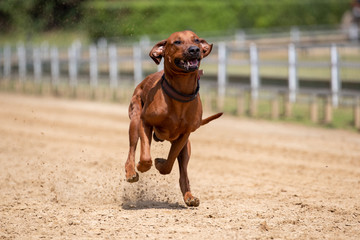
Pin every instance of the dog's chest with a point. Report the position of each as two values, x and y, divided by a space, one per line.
170 124
170 129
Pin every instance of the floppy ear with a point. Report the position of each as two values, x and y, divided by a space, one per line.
205 47
157 52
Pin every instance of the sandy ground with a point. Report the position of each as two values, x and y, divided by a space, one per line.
62 177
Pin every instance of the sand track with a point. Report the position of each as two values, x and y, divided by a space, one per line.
62 177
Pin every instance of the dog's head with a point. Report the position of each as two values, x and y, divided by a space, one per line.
182 51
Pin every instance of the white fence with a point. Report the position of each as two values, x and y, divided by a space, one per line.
292 63
114 63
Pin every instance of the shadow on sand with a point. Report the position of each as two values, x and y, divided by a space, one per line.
152 204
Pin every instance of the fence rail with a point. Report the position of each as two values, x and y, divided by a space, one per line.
325 69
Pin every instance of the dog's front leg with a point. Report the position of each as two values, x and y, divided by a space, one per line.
165 165
145 162
183 160
134 114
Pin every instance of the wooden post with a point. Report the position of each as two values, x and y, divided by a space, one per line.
21 52
254 68
221 75
44 49
293 81
253 107
37 64
240 38
240 104
314 109
275 107
328 110
353 32
55 68
137 64
335 75
295 34
7 61
254 80
72 65
113 66
357 113
288 107
93 66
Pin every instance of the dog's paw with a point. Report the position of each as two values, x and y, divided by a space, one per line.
144 166
190 200
160 166
132 178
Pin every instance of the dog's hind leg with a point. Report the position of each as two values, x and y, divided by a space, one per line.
134 114
165 165
183 160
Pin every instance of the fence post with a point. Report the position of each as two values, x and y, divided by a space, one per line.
240 38
102 47
254 68
55 69
221 74
353 32
357 113
160 67
72 65
113 66
275 107
293 80
335 75
295 34
44 49
240 103
21 52
93 66
288 107
7 61
137 64
328 110
37 64
254 79
314 109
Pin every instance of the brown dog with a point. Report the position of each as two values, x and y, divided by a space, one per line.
167 105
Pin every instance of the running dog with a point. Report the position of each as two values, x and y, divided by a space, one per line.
166 106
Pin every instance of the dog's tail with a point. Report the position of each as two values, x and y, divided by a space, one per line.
209 119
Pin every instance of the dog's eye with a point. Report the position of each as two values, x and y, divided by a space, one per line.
177 42
197 40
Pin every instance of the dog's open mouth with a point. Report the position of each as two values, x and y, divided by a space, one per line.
188 65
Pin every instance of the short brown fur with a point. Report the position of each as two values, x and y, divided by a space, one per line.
152 111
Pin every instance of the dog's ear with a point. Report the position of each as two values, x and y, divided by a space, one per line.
157 52
206 47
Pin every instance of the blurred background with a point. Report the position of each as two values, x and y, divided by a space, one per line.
285 60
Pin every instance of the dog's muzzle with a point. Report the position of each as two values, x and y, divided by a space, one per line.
191 60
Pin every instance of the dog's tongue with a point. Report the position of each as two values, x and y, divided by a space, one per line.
193 62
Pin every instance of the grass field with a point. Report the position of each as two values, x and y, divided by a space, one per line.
343 116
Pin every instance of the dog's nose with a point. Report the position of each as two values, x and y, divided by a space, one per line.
193 50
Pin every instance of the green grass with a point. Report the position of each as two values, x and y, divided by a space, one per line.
342 116
58 38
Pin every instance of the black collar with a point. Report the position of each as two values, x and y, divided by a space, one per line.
178 96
